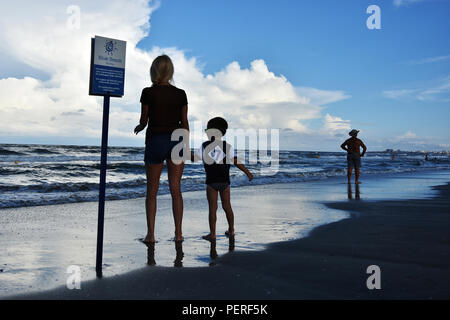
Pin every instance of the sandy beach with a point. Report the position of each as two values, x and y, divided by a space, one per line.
225 156
407 239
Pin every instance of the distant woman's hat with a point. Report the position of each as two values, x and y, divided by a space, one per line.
354 132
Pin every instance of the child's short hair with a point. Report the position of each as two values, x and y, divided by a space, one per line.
161 69
218 123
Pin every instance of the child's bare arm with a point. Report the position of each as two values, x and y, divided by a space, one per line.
243 168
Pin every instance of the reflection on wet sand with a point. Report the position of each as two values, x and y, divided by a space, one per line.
178 262
231 243
150 254
350 192
179 256
213 252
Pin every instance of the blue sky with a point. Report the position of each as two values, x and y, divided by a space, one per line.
393 83
326 44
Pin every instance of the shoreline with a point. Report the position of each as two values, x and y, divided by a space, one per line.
24 198
411 248
316 179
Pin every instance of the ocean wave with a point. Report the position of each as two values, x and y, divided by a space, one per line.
62 174
43 151
134 187
6 152
46 187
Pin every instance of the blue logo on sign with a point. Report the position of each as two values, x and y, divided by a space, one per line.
110 47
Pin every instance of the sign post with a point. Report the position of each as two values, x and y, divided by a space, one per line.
107 78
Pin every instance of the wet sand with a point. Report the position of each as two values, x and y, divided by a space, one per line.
407 239
38 244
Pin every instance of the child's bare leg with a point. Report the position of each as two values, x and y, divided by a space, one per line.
226 205
212 196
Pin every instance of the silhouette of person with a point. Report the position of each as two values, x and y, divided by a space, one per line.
352 146
217 156
168 112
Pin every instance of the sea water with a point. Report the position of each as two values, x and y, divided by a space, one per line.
33 175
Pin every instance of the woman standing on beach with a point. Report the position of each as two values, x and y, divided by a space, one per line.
164 109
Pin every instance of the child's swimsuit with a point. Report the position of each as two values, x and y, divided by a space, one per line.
219 186
217 164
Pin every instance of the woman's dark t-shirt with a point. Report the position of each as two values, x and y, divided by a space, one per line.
164 112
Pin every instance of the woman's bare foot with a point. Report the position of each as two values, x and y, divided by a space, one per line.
178 237
209 237
149 239
228 233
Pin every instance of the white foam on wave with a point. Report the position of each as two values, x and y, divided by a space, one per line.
59 174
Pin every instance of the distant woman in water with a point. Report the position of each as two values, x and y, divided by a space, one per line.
164 109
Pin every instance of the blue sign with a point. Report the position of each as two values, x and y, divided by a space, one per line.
107 67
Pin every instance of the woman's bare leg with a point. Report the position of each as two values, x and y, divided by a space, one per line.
212 196
226 205
153 174
175 172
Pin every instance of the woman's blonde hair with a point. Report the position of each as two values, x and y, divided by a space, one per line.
161 70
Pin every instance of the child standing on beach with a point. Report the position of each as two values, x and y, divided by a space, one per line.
217 155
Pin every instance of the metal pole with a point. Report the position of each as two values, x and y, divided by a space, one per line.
102 186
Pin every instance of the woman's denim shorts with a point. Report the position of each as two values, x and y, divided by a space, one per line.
159 148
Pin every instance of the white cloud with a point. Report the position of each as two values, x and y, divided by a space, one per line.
253 97
429 60
402 3
322 97
439 90
396 94
335 125
408 135
40 38
60 105
410 141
